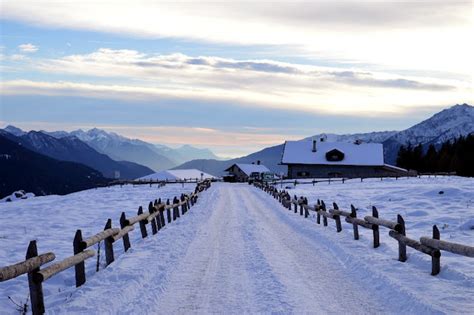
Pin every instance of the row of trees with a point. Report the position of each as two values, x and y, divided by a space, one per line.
453 156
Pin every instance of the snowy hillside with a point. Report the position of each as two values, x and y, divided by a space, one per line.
53 220
240 251
445 125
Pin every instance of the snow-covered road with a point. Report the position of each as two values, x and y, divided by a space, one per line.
236 251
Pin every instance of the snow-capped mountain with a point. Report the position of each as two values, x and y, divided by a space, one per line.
449 124
73 149
157 157
446 125
119 148
14 130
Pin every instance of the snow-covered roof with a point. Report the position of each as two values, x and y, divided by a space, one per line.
177 175
248 169
300 152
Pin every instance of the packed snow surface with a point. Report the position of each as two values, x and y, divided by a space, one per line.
239 251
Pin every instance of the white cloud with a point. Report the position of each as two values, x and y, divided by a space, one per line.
28 48
425 35
17 57
264 83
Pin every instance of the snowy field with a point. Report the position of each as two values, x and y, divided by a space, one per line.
418 200
239 251
422 205
53 221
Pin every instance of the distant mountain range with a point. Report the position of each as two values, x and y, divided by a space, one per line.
156 157
449 124
21 168
446 125
61 162
72 149
119 148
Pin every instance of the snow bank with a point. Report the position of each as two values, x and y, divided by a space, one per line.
52 221
420 203
18 195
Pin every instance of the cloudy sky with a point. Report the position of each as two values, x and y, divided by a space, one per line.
234 76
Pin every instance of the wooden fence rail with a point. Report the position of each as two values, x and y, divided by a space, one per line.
33 262
431 246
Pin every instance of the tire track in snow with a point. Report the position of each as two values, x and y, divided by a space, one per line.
235 252
394 298
211 277
223 270
313 281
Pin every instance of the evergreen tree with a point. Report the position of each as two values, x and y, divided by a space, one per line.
456 156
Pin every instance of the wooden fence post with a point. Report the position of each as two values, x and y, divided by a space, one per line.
176 201
142 223
109 245
318 216
79 268
162 214
183 205
306 211
157 218
402 248
296 204
436 261
36 289
168 211
337 218
174 209
375 228
154 228
354 225
125 238
325 220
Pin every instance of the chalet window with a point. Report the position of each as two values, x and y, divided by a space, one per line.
334 155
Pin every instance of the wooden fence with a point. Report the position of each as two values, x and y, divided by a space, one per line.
159 183
302 181
158 215
431 246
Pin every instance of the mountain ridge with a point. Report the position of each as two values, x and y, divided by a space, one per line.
118 147
73 149
21 168
462 123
